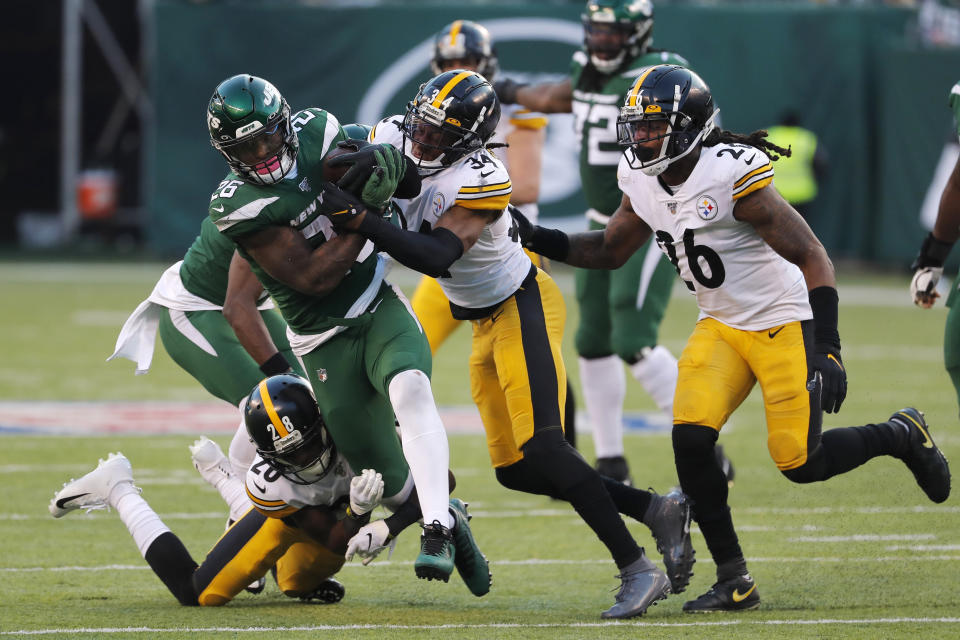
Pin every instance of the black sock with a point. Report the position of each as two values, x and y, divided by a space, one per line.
630 501
172 563
570 417
847 448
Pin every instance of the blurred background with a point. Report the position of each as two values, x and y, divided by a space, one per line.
104 148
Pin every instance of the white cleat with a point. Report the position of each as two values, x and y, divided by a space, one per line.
92 491
209 460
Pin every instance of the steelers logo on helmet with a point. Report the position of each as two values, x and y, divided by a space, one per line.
282 418
249 124
666 114
454 114
464 44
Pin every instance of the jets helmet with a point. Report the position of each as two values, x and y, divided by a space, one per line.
666 114
616 30
454 114
249 123
468 44
284 422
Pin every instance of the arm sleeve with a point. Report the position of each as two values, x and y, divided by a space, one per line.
409 186
429 253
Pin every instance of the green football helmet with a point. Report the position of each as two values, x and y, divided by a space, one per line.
616 30
249 123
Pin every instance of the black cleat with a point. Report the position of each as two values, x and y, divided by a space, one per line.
671 530
725 464
922 456
615 467
330 591
736 594
640 588
435 561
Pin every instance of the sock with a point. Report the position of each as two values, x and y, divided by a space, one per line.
733 568
141 521
656 371
234 493
630 501
424 443
570 417
604 389
172 563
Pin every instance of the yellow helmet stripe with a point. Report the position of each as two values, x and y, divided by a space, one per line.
455 31
454 81
636 86
271 410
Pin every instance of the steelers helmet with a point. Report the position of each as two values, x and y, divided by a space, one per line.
666 103
249 123
282 418
615 30
467 42
453 114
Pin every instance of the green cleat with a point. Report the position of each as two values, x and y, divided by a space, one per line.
435 561
471 564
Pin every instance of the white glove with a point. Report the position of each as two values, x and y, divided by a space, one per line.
923 287
369 541
366 490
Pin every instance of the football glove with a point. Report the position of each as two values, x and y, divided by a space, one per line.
366 490
506 90
369 541
828 367
341 207
923 287
376 171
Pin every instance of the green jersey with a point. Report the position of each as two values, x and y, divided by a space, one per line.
239 208
206 264
596 106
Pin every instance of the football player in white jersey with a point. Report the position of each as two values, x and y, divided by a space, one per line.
768 309
458 230
308 504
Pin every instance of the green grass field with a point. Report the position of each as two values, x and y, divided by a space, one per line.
862 556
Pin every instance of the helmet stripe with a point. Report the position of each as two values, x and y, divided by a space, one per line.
636 86
455 31
454 81
271 410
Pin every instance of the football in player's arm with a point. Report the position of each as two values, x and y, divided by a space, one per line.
768 303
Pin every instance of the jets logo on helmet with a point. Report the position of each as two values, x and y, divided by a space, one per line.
453 114
666 114
282 418
249 123
615 31
464 44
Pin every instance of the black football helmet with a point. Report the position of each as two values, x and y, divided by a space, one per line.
249 123
469 45
616 30
454 114
669 103
283 420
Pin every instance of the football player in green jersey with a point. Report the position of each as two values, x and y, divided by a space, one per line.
933 253
620 311
361 347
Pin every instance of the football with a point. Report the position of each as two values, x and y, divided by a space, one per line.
333 174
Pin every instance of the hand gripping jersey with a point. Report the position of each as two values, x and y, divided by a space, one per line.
493 268
239 208
737 278
276 497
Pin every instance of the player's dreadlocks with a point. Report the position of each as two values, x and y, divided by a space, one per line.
756 139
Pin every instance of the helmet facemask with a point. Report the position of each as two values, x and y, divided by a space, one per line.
434 141
614 31
302 459
266 154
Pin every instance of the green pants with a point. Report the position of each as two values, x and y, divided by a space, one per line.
621 310
350 375
951 339
204 345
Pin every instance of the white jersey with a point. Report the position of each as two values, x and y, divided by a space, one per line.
493 268
737 278
276 497
513 117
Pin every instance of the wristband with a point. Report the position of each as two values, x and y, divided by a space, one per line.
275 365
363 518
823 302
933 253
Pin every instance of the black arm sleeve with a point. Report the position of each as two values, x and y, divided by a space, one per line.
409 186
430 253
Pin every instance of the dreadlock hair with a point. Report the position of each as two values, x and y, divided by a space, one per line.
756 139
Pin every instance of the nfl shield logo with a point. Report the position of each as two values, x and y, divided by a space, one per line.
304 185
322 375
672 207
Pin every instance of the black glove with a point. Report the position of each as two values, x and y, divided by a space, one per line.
833 377
550 243
341 207
506 90
522 229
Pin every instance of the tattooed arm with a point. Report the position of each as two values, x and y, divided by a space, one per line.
787 233
609 249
